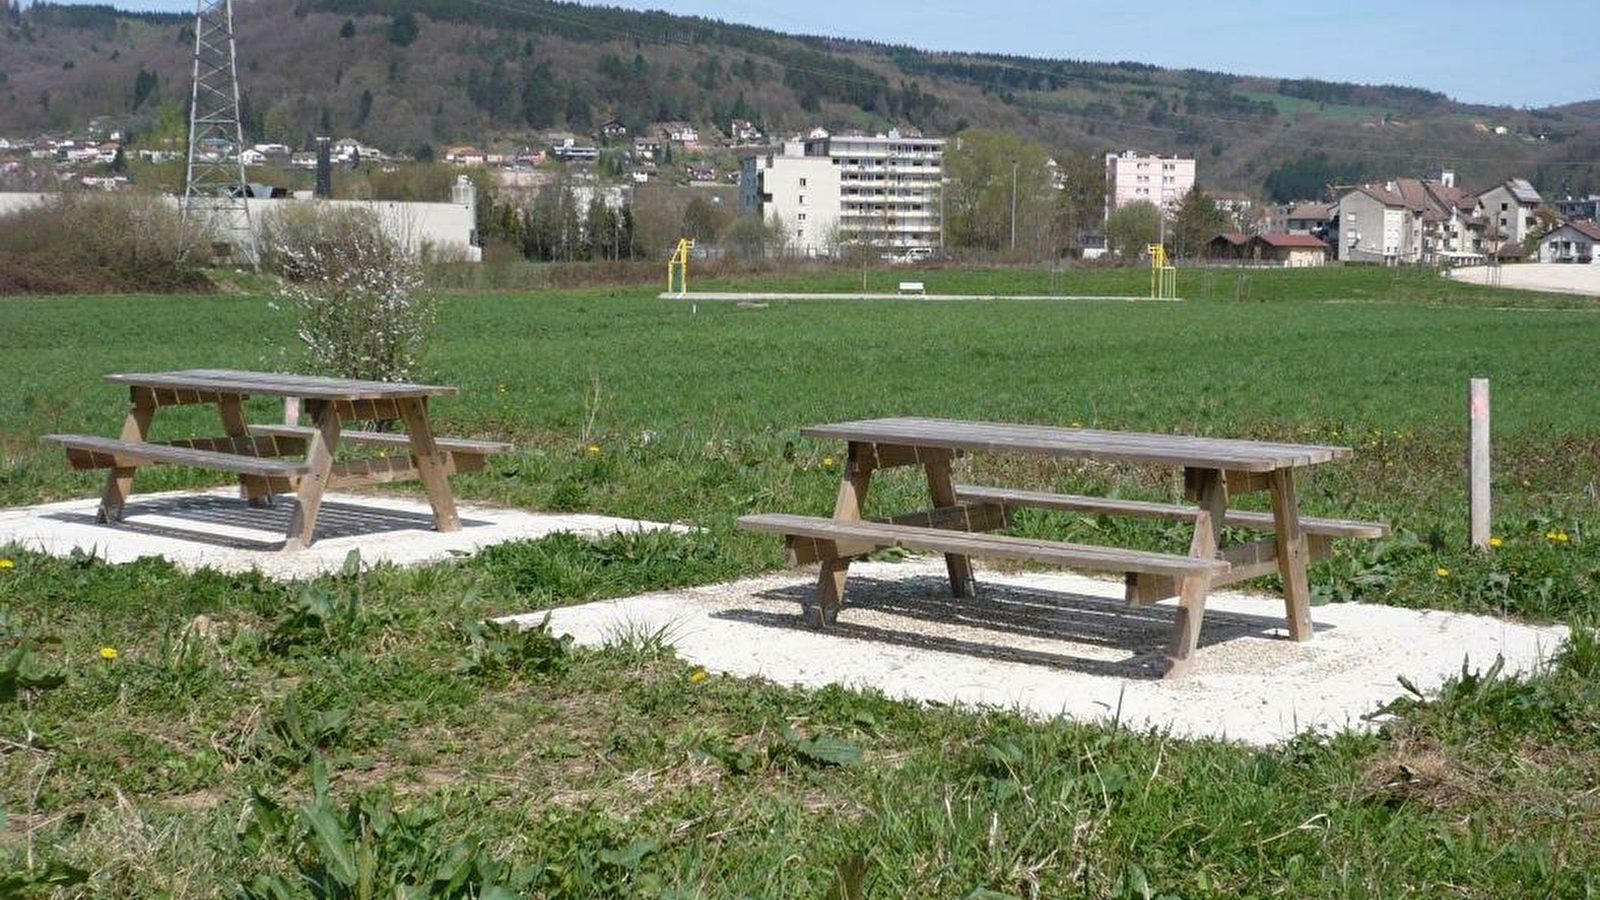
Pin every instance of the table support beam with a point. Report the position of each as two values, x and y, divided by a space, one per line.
119 481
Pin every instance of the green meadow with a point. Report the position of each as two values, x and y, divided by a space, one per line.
367 735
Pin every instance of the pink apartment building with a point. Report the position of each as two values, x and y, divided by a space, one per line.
1161 180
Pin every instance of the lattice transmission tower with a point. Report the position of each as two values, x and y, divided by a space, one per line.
215 205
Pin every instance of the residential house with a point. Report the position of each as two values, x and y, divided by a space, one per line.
1228 245
1237 206
1509 210
613 128
1572 242
680 133
1581 208
464 156
1305 217
1410 220
571 151
1293 251
1377 225
743 131
250 156
646 148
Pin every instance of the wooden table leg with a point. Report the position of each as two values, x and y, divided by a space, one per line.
319 457
119 481
944 494
254 488
1293 554
1210 490
432 464
847 506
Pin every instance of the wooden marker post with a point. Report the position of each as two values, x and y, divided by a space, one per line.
1478 411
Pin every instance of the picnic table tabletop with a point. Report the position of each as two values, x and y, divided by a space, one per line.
277 384
1082 443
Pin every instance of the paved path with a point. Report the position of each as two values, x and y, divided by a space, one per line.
1563 279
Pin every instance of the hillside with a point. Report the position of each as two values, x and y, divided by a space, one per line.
413 76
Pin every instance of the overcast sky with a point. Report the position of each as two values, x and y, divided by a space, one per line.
1476 51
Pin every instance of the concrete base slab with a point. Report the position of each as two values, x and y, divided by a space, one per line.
217 529
1060 644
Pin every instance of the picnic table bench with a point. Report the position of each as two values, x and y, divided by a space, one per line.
963 517
913 287
256 452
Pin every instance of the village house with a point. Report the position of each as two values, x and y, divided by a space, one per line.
679 133
1509 208
743 131
646 149
613 128
1571 242
464 156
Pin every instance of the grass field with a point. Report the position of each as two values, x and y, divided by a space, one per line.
251 738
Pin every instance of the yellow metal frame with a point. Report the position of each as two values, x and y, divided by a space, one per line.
1163 277
678 266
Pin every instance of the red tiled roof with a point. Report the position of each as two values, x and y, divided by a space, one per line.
1292 240
1586 227
1235 238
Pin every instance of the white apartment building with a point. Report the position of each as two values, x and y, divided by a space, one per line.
882 190
1161 180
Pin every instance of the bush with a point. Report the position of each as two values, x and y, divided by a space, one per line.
88 243
354 288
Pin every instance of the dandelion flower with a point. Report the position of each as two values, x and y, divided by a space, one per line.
699 674
1442 572
108 653
1077 424
592 449
827 462
7 564
1557 536
1495 542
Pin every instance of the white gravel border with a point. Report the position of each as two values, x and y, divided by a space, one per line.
217 529
1061 644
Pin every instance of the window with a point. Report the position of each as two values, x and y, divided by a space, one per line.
802 200
800 217
802 182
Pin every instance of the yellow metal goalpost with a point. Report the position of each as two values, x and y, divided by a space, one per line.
1163 275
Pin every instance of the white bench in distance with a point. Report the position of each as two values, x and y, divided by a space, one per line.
913 287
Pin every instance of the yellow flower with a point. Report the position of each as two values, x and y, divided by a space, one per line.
827 462
1442 572
1556 536
592 449
7 564
1495 542
108 653
699 674
1077 424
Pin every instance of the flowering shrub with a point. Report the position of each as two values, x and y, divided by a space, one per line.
355 290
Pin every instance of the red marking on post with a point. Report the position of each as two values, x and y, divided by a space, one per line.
1480 406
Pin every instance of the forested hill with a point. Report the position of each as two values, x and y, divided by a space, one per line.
412 76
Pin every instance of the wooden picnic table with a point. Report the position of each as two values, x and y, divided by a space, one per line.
958 524
254 452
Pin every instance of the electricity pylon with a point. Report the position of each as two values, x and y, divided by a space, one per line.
215 206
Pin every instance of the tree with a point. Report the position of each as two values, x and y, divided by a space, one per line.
347 30
403 29
1196 222
1132 228
999 194
1080 205
701 221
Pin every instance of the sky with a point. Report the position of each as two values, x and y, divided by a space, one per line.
1475 51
